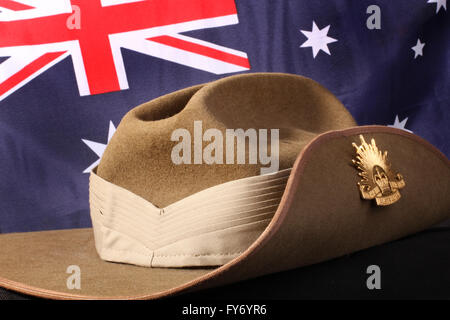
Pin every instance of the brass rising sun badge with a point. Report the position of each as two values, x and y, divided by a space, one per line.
378 182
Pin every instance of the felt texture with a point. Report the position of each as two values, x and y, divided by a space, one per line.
40 260
321 216
138 157
414 267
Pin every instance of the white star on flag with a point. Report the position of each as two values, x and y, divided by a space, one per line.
98 147
439 4
399 124
317 39
418 49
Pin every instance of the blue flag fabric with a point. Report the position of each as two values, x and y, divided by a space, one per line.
70 70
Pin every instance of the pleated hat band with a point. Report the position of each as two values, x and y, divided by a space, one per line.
208 228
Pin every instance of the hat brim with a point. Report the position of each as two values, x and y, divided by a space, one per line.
35 263
321 216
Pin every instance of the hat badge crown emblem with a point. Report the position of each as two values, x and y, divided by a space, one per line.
378 181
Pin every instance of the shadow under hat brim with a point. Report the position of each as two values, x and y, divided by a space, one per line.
321 216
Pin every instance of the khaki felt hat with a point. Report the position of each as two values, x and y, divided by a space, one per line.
172 212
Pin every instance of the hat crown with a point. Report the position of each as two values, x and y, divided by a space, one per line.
138 157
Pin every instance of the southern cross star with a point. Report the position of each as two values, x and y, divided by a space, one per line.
317 39
98 147
418 49
399 124
439 4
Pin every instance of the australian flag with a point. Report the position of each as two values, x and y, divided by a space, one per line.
71 69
